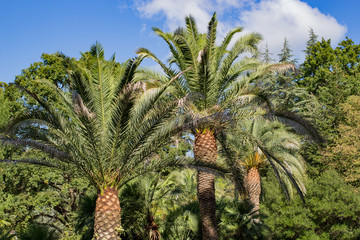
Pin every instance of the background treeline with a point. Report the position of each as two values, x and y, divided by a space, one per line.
46 202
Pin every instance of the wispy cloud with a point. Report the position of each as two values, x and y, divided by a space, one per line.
143 28
274 19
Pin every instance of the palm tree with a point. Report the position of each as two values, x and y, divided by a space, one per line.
259 140
215 82
107 127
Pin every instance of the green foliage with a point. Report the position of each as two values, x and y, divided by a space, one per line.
54 69
134 211
37 194
332 211
181 209
330 75
235 221
84 216
343 154
37 232
5 235
4 109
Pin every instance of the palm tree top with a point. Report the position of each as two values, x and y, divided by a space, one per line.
256 141
107 124
217 76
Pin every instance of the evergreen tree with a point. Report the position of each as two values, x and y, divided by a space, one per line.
285 55
266 55
312 40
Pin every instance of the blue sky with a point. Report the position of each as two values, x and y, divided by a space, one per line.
29 28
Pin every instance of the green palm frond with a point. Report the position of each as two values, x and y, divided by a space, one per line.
51 150
290 176
275 143
45 163
108 123
225 43
231 160
191 27
208 84
298 123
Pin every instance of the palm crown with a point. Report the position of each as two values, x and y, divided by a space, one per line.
215 79
258 141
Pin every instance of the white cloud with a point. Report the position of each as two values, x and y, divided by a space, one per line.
175 11
277 19
274 19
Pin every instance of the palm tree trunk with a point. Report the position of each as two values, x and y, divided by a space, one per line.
152 228
253 187
107 215
205 149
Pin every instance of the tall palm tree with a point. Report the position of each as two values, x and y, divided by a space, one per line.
257 141
216 81
107 127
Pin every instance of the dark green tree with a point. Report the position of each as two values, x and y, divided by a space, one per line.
328 200
331 76
53 69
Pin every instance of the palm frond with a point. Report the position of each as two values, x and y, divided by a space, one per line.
271 157
298 123
52 151
191 27
231 160
45 163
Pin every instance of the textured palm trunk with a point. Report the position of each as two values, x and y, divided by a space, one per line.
107 215
205 149
253 187
152 228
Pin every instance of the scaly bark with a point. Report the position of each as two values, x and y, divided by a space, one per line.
152 228
205 149
107 215
253 188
